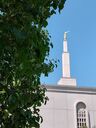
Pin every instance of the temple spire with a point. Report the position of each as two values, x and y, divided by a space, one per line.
66 77
65 58
65 47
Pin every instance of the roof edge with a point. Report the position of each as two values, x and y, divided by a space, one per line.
60 88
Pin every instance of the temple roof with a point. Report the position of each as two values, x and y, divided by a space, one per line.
71 89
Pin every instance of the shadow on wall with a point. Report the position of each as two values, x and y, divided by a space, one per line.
89 121
94 126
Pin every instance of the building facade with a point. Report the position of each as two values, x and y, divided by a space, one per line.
69 106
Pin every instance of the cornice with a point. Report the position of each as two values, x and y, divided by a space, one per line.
70 89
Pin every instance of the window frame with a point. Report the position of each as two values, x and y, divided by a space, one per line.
83 115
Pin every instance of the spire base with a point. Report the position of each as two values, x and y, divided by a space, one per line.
67 82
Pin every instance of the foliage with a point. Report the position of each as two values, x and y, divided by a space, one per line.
24 50
84 127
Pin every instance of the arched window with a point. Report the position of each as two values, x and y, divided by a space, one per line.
81 115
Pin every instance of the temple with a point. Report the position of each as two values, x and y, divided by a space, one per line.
69 106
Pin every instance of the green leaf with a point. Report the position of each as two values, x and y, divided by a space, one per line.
24 51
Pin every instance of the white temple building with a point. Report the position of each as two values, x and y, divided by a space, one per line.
69 106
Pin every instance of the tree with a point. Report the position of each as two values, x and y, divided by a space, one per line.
24 50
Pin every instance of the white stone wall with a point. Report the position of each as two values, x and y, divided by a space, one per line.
60 111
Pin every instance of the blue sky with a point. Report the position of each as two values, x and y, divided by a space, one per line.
78 17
